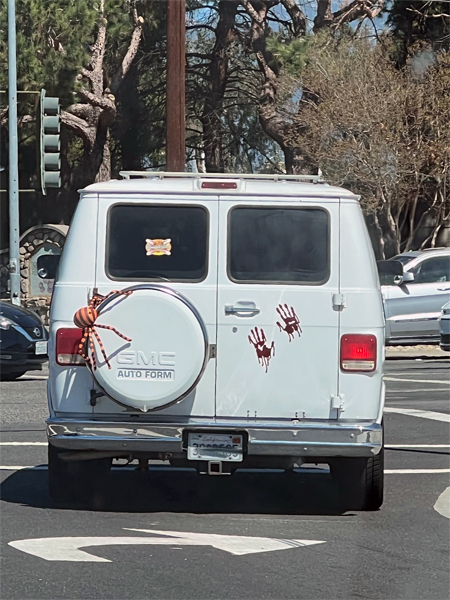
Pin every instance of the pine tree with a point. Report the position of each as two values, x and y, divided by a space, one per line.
417 26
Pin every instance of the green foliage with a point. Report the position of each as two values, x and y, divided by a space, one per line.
416 24
290 54
52 43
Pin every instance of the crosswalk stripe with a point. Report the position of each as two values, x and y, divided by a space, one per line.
440 381
23 444
415 412
134 467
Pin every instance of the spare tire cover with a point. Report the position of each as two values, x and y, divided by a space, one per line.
167 353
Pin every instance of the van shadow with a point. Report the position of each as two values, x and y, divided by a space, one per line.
267 492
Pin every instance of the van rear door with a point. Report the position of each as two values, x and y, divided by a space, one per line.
278 332
165 247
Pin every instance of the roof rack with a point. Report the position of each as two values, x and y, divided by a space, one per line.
264 176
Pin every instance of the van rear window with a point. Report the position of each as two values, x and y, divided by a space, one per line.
157 243
279 245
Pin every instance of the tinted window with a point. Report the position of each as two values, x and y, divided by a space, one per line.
403 259
279 245
432 270
157 242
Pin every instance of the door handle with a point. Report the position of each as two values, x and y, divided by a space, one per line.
447 289
246 309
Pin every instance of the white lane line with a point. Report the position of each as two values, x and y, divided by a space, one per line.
133 468
446 382
414 471
442 505
418 446
415 412
22 467
435 390
31 377
387 446
23 444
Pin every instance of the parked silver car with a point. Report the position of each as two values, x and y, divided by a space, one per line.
414 301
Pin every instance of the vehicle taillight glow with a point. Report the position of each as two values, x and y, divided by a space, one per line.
67 344
358 352
219 185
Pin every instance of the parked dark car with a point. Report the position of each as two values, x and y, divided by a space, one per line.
23 341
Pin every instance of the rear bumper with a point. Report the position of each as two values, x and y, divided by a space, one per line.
312 439
21 362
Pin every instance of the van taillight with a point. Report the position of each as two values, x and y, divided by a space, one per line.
358 352
67 344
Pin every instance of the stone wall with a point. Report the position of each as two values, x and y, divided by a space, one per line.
30 243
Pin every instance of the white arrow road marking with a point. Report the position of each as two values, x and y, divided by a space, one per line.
442 505
68 548
415 412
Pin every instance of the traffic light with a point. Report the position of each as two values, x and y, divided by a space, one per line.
50 161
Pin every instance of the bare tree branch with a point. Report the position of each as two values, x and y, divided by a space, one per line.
79 126
425 16
106 102
298 17
131 53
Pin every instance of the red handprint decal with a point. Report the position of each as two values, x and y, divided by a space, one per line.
291 323
264 352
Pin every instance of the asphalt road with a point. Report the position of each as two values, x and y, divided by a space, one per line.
398 552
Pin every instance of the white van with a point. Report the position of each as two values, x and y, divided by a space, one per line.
218 322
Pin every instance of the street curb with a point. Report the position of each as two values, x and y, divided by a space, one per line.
415 352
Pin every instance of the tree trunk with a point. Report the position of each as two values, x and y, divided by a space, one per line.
92 119
218 72
383 233
271 121
104 155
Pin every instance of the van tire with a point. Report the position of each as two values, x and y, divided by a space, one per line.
74 480
360 481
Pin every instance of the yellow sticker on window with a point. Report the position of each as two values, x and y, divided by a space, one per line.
158 247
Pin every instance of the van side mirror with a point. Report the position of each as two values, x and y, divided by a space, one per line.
47 265
408 277
390 272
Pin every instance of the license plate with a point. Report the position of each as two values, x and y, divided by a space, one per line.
40 348
215 446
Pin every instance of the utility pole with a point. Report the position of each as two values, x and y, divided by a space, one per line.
175 92
14 248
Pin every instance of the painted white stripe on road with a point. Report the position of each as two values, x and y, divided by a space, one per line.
414 471
134 467
415 391
387 446
23 444
440 381
442 505
415 412
418 446
30 377
22 467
